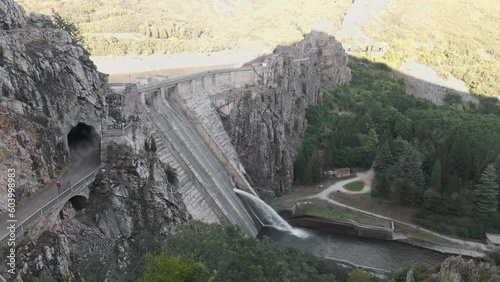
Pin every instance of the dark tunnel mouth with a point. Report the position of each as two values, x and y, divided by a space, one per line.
82 136
78 202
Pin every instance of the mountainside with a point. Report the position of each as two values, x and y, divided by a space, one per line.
47 85
168 26
267 123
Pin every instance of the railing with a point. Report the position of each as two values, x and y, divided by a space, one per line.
50 206
174 81
117 132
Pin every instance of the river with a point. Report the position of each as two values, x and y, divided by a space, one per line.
380 254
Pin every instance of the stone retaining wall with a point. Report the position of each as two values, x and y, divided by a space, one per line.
342 227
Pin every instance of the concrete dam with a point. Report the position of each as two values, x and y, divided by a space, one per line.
191 139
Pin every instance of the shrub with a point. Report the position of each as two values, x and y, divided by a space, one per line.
1 56
171 175
116 115
42 120
153 144
43 279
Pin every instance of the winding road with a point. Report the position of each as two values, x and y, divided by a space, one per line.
367 177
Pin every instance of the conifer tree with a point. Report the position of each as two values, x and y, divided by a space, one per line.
146 145
435 180
496 165
153 144
308 174
300 167
487 191
383 159
315 168
454 185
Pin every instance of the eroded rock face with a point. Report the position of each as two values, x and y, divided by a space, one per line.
267 123
49 256
457 269
132 193
47 85
11 15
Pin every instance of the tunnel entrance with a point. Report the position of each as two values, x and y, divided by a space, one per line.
83 141
78 202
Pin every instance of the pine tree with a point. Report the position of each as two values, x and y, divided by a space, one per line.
308 174
435 181
60 23
300 167
146 145
316 168
496 165
487 191
153 144
454 185
407 176
383 159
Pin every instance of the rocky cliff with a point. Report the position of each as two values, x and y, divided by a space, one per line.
457 269
130 197
47 86
267 123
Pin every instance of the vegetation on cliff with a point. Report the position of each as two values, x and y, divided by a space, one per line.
440 159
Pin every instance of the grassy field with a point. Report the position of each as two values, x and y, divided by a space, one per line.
418 234
377 205
327 210
355 186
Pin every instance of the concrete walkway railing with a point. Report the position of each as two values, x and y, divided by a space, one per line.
174 81
50 206
117 132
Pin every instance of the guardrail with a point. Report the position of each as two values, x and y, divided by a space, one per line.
117 132
49 207
170 82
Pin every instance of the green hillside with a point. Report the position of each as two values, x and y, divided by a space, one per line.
455 37
170 26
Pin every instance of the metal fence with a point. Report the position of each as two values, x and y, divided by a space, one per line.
48 208
117 132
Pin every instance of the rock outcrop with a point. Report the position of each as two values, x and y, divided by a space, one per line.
457 269
267 123
133 193
49 256
47 86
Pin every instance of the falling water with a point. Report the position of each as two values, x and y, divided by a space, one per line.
267 215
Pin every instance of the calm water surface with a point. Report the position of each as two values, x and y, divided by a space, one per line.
385 255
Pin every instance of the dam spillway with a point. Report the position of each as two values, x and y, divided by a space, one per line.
192 140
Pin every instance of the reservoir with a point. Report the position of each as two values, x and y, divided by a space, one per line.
372 253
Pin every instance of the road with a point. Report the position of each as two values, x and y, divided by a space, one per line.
78 171
174 81
367 178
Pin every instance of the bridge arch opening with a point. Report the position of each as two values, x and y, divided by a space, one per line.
78 202
83 141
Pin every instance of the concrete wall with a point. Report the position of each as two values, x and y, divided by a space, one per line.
342 227
192 98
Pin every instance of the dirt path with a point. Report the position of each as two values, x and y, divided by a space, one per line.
367 178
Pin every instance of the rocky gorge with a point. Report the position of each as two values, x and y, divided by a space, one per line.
267 123
48 86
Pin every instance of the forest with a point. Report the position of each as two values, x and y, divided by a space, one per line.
201 252
443 159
